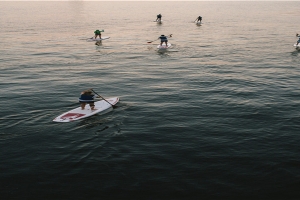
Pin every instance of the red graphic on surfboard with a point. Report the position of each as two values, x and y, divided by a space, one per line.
71 116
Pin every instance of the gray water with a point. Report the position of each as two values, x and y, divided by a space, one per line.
215 116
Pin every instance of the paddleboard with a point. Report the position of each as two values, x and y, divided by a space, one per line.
297 46
97 39
164 46
159 21
198 23
78 113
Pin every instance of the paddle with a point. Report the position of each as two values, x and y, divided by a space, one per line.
158 38
104 99
153 41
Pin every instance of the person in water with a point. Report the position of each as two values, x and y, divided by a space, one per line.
297 35
164 39
158 17
199 19
97 33
87 97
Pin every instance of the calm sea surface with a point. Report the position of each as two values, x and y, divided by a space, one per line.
216 116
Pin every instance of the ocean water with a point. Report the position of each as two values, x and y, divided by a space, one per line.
215 117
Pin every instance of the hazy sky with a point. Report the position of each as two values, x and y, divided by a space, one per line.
148 0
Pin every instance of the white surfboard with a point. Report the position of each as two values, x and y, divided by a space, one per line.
297 46
159 21
78 113
97 39
164 46
198 23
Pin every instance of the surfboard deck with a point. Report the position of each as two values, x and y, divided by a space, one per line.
158 21
297 46
97 39
78 113
164 46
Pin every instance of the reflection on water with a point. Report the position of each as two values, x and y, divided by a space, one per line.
295 52
99 43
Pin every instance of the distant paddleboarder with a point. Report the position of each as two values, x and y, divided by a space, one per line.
297 35
97 33
164 39
158 17
199 19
